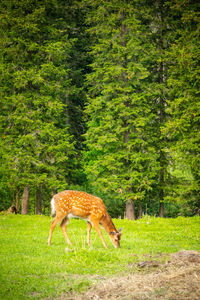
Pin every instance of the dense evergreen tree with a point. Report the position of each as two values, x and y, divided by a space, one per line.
36 79
121 156
156 18
183 127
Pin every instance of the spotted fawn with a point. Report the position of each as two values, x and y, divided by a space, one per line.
75 204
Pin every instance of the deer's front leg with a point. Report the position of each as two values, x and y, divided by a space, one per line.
98 229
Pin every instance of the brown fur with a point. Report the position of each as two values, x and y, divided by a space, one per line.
107 222
12 210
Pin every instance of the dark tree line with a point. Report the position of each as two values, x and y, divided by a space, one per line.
101 96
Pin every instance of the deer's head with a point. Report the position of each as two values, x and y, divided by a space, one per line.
115 237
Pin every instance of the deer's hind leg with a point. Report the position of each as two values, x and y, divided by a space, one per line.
53 225
63 226
89 227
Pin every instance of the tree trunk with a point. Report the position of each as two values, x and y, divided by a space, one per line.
162 144
17 202
140 209
130 210
25 200
161 211
161 187
38 201
162 103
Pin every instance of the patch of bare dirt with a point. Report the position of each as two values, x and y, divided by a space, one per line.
176 279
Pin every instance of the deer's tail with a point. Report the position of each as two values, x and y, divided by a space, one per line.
53 210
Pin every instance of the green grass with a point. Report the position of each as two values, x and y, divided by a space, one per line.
30 269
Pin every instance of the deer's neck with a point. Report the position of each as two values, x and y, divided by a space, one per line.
108 224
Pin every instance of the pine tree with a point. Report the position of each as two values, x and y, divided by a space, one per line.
183 126
120 154
38 149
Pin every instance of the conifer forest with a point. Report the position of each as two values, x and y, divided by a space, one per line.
101 96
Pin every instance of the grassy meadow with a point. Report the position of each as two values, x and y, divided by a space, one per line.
30 269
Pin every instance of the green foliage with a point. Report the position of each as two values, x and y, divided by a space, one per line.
38 148
144 75
183 127
30 269
120 155
137 134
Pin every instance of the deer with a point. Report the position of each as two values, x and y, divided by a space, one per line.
12 210
77 204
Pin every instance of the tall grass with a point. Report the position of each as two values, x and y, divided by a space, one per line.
30 269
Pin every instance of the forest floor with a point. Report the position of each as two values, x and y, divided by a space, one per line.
176 279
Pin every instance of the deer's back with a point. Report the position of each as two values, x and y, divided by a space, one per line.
79 204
